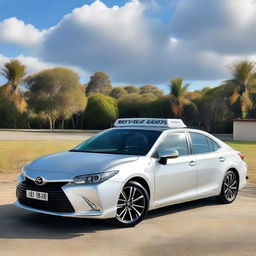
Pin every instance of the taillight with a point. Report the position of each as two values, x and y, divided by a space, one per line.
242 156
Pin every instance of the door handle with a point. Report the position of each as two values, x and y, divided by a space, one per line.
192 163
222 159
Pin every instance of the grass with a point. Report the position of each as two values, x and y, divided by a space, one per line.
14 154
249 149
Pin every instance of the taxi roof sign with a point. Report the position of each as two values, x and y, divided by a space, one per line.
149 122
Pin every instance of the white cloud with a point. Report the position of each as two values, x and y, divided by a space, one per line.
226 26
200 41
119 40
34 65
202 38
15 31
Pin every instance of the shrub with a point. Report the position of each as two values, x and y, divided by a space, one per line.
101 112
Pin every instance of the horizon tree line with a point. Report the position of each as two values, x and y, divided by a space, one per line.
57 96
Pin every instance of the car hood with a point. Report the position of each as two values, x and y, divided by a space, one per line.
66 165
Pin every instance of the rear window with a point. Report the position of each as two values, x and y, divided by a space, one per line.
202 144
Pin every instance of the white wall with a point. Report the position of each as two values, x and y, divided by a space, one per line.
244 130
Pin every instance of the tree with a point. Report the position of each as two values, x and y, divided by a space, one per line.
158 108
193 95
99 83
203 91
178 96
10 116
151 89
132 89
101 111
118 92
135 105
14 71
57 93
215 113
243 80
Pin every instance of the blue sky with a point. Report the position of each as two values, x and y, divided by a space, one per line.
43 13
47 13
139 42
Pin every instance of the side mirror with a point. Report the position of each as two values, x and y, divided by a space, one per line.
167 154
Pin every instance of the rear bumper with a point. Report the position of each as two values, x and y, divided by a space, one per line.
243 174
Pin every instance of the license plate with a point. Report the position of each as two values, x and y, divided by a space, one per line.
37 195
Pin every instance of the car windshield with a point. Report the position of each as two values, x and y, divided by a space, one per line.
120 141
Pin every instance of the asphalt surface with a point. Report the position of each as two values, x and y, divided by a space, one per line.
41 134
10 135
197 228
202 227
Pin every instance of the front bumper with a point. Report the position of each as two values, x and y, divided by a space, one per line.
88 201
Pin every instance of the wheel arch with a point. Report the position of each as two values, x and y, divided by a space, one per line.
236 173
142 182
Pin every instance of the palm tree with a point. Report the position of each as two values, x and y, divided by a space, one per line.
178 96
14 71
243 80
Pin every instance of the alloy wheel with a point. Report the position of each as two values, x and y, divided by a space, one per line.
230 186
131 204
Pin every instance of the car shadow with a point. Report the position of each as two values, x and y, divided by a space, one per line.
16 223
211 201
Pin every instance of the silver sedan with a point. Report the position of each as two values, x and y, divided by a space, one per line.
123 172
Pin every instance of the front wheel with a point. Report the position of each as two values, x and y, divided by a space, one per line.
132 205
229 188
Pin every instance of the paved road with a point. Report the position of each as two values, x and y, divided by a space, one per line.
25 134
45 134
203 227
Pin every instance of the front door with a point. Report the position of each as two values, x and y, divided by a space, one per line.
175 181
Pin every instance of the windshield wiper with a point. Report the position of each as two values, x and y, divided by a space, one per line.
76 150
87 151
102 152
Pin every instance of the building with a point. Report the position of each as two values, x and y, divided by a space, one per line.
244 129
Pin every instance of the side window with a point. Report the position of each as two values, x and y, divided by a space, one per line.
202 144
215 146
210 144
175 141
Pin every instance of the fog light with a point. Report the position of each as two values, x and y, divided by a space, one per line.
92 204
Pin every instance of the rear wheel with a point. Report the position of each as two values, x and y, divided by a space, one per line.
229 188
132 205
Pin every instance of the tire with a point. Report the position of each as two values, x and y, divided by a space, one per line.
229 188
132 205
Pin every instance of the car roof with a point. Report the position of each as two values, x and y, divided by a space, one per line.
156 124
157 128
144 128
165 130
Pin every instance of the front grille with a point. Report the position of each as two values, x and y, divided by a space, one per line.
48 185
57 200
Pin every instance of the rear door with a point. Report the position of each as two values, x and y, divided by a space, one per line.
209 164
175 181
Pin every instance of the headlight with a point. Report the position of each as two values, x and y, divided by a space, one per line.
93 178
